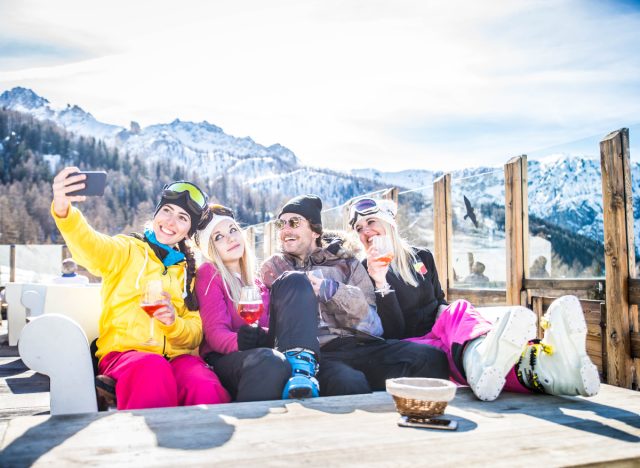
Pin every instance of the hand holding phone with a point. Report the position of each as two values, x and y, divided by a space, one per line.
94 184
71 185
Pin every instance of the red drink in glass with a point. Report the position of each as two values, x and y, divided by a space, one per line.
250 311
387 258
150 308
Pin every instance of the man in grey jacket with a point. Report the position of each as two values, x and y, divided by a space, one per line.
332 305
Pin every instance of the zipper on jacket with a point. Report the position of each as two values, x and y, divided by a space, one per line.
164 347
166 270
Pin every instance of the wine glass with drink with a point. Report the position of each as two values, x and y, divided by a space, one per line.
151 301
384 247
250 305
384 252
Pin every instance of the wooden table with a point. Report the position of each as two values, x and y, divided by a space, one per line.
359 430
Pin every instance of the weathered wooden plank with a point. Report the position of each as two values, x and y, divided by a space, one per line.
479 297
250 234
268 236
619 256
634 291
443 230
516 226
635 344
340 431
560 284
537 304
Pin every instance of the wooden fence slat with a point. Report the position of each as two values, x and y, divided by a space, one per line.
516 226
269 241
479 297
442 231
618 249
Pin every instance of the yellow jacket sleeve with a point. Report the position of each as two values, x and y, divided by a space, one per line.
97 252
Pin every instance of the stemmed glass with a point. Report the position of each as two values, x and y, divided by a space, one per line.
250 305
151 301
384 252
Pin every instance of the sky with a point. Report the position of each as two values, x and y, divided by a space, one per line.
345 84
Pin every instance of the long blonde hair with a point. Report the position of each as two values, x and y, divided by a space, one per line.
231 282
404 255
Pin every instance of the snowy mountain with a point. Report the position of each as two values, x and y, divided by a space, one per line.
206 146
71 118
563 189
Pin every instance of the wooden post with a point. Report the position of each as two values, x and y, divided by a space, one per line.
619 253
269 239
516 226
391 194
443 230
12 263
250 234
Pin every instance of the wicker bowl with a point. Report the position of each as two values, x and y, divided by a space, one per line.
418 397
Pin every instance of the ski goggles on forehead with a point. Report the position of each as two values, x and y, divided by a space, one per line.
293 222
176 189
363 207
221 210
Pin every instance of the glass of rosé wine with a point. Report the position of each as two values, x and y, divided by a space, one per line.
384 247
151 301
250 305
384 252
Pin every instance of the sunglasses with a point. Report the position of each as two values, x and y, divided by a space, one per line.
363 207
175 190
293 222
221 210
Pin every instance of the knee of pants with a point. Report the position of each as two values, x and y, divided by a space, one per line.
292 279
151 367
460 305
437 362
268 362
342 381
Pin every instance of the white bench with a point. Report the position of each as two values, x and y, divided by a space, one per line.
56 343
23 300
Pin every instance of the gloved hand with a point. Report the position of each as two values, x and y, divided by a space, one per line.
252 337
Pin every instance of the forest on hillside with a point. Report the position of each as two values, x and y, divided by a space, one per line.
33 151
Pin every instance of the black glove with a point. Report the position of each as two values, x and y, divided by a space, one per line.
334 245
251 337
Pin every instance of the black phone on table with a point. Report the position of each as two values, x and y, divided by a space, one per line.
94 184
428 423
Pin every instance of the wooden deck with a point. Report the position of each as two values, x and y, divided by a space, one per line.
361 430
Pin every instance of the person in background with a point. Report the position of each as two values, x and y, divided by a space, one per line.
146 374
250 373
485 356
334 296
69 274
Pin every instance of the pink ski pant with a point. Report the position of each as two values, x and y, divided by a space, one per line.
459 323
148 380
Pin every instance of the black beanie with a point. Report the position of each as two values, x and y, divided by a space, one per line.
181 201
309 206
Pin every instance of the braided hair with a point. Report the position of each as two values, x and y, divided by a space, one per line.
191 301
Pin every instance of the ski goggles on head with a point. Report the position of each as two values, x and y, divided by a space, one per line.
362 207
221 210
293 222
196 196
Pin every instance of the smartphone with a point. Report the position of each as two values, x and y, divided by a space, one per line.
428 423
94 184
